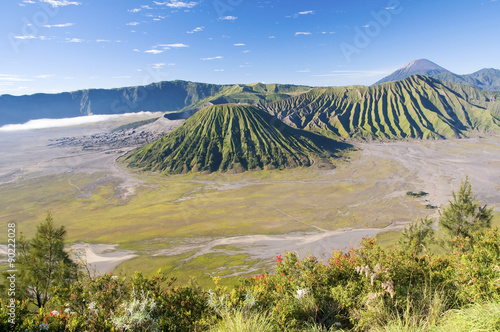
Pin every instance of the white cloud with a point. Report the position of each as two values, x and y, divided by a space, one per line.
158 65
197 29
328 33
303 71
239 44
133 23
245 51
178 45
122 77
64 25
218 69
271 37
136 50
177 4
154 51
228 18
306 12
65 122
32 37
25 37
103 41
44 76
214 58
135 10
60 3
73 40
302 33
366 26
13 78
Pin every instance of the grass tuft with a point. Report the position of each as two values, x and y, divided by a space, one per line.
477 317
242 321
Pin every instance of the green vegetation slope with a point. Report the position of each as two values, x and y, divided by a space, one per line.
417 107
231 137
252 94
484 79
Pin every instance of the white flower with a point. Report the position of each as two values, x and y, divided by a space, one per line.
301 293
92 306
114 277
55 313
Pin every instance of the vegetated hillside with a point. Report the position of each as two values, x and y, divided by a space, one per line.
489 78
417 107
484 79
231 137
252 94
157 97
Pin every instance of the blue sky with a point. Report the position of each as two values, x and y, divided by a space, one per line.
66 45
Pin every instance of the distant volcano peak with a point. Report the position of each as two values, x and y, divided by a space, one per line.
415 67
422 64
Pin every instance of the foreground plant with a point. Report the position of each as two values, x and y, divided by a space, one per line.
464 216
44 267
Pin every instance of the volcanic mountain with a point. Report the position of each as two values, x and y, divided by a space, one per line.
416 67
484 79
232 137
416 107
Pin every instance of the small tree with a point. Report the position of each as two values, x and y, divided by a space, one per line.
417 235
464 216
44 267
